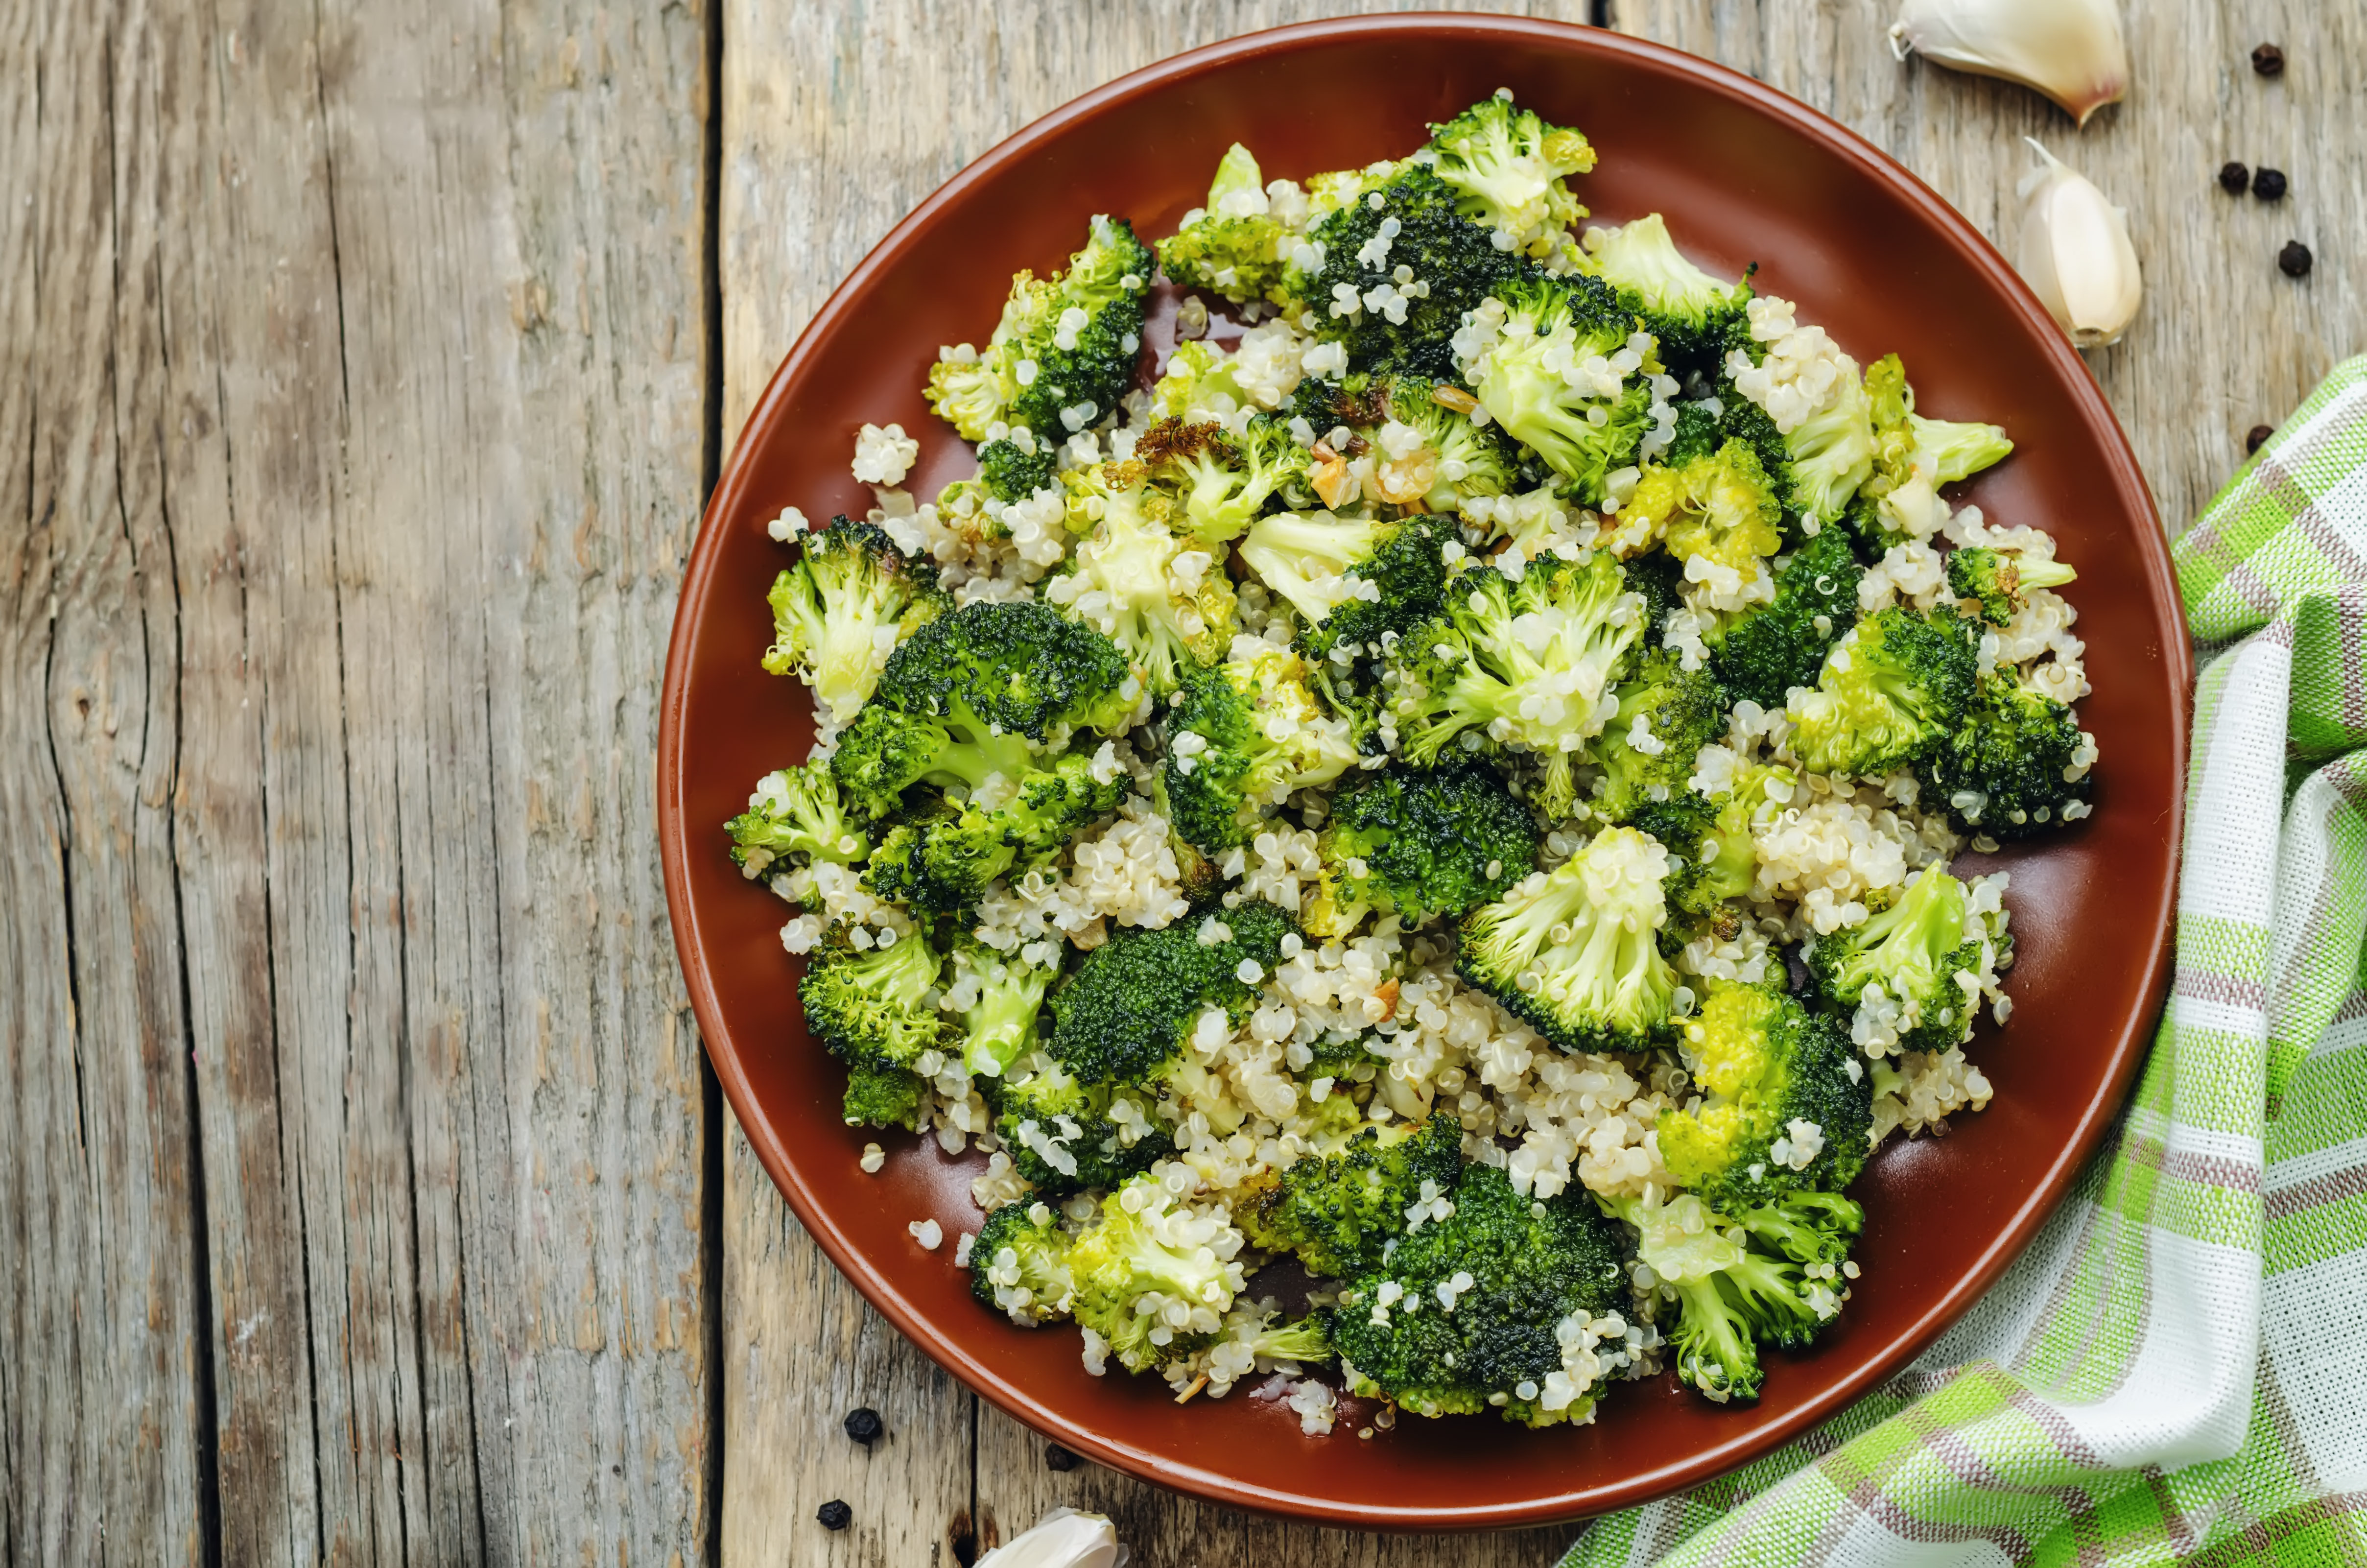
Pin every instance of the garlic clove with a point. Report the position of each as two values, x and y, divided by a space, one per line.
2069 49
2076 252
1061 1539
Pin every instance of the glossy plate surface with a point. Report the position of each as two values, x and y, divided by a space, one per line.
1743 174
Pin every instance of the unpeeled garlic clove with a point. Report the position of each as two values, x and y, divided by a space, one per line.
2069 49
1061 1539
2076 252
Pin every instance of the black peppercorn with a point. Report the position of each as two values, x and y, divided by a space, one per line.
834 1515
2234 178
2269 59
2268 184
862 1423
2293 261
1058 1458
2254 436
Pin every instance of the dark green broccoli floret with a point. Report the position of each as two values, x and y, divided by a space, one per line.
1456 259
1691 313
1667 714
872 1007
944 862
1806 1226
795 814
1514 353
1770 650
1065 349
962 699
999 1028
1218 483
1997 580
849 585
1575 952
1126 577
1481 669
883 1096
1889 692
1507 166
1065 1137
1351 580
1914 951
1009 474
1235 246
1659 579
1786 1103
1143 1264
1127 1009
1019 1262
1240 738
1529 1278
1339 1213
1712 856
2004 769
1732 1296
1417 843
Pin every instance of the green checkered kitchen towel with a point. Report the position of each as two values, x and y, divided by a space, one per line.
2175 1370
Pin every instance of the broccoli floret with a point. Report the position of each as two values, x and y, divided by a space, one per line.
1711 855
795 814
1066 1137
1065 349
1531 1282
871 1006
1358 261
1147 1261
1514 353
1890 691
1667 714
1235 246
974 694
1306 1340
1720 506
1197 384
1766 651
1019 1262
1126 1012
1806 1226
2006 769
1009 474
1240 738
1338 1213
1351 580
1417 843
1507 166
850 584
1953 451
999 1025
946 860
1913 951
1423 451
1521 664
1786 1103
1162 597
1575 952
883 1096
1218 482
1996 580
1691 313
1832 450
1732 1297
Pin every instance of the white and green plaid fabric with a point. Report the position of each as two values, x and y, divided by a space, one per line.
2175 1370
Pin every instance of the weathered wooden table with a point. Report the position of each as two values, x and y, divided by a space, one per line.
362 1192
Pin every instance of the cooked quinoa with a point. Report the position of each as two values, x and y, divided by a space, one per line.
1444 504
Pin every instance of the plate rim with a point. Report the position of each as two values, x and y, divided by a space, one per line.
1706 1464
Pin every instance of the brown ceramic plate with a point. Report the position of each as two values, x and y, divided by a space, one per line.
1744 174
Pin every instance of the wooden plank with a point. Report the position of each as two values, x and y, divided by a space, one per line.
2224 341
101 1393
836 121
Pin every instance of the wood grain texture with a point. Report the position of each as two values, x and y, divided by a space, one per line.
2224 341
359 379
